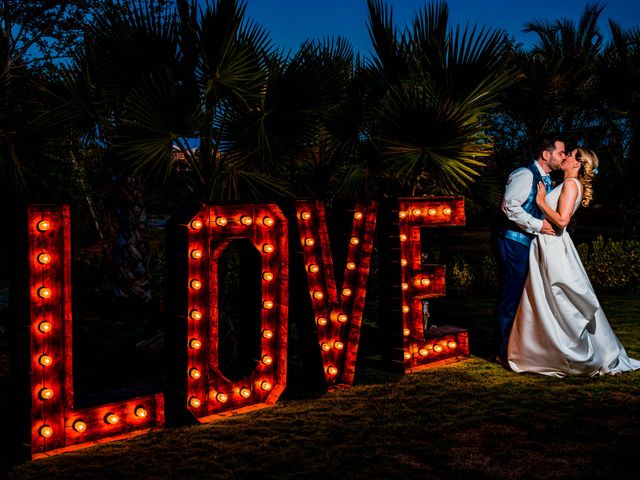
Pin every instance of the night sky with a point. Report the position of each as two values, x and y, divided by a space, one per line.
292 21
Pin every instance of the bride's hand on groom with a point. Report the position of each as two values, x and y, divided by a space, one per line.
541 193
547 228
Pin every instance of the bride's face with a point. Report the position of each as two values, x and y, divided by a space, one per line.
570 163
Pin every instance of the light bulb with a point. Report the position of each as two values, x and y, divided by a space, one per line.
195 315
432 212
402 214
196 224
405 309
44 327
267 334
195 373
245 392
194 402
354 240
79 426
416 211
43 225
267 248
425 282
140 412
195 344
45 360
45 394
265 385
268 221
451 344
332 370
313 268
423 352
305 215
403 237
437 348
338 345
405 286
318 295
195 284
245 220
351 266
44 292
346 292
309 242
325 347
446 211
267 276
404 262
321 321
196 254
46 431
407 356
342 318
221 221
267 304
267 360
44 258
111 418
222 397
358 215
406 332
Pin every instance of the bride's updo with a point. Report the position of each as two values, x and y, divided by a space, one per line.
589 169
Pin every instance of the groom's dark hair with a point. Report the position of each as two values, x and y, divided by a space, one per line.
547 144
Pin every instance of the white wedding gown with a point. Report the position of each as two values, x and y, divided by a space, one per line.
560 328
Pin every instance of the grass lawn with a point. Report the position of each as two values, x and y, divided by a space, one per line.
466 420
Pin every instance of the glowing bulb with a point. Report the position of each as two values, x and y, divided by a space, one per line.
111 418
196 254
342 318
43 225
405 308
45 394
423 352
46 431
245 392
195 343
267 248
432 212
44 327
451 344
195 373
267 304
332 370
402 214
194 402
196 224
346 292
246 220
406 332
221 221
267 334
425 282
268 221
325 347
222 397
404 262
407 356
140 412
437 348
267 276
309 242
403 237
195 315
267 360
354 240
416 211
79 426
358 215
265 385
44 258
313 268
405 286
305 215
351 266
45 360
338 345
321 321
196 284
446 211
318 295
44 292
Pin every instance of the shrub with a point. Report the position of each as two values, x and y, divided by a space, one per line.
612 265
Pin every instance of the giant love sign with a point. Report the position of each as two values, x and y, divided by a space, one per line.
198 386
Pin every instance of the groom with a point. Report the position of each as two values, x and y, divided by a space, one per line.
525 221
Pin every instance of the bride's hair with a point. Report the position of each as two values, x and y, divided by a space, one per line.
588 171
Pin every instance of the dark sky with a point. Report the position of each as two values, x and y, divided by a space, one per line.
292 21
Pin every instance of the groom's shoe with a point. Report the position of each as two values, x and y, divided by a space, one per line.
503 362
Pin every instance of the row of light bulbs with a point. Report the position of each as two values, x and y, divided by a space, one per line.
80 426
221 221
417 212
425 350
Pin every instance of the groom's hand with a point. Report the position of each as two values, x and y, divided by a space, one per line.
547 228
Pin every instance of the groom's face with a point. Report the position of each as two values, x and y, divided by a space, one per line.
555 158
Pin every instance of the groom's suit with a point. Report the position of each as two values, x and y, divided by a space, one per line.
524 223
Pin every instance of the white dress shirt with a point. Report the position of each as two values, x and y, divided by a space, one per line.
516 193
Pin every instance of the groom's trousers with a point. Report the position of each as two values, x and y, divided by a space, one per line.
513 265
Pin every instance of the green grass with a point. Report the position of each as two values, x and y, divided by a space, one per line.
466 420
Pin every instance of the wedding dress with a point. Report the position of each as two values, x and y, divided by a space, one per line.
560 328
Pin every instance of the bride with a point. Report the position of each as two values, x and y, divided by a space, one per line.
560 328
